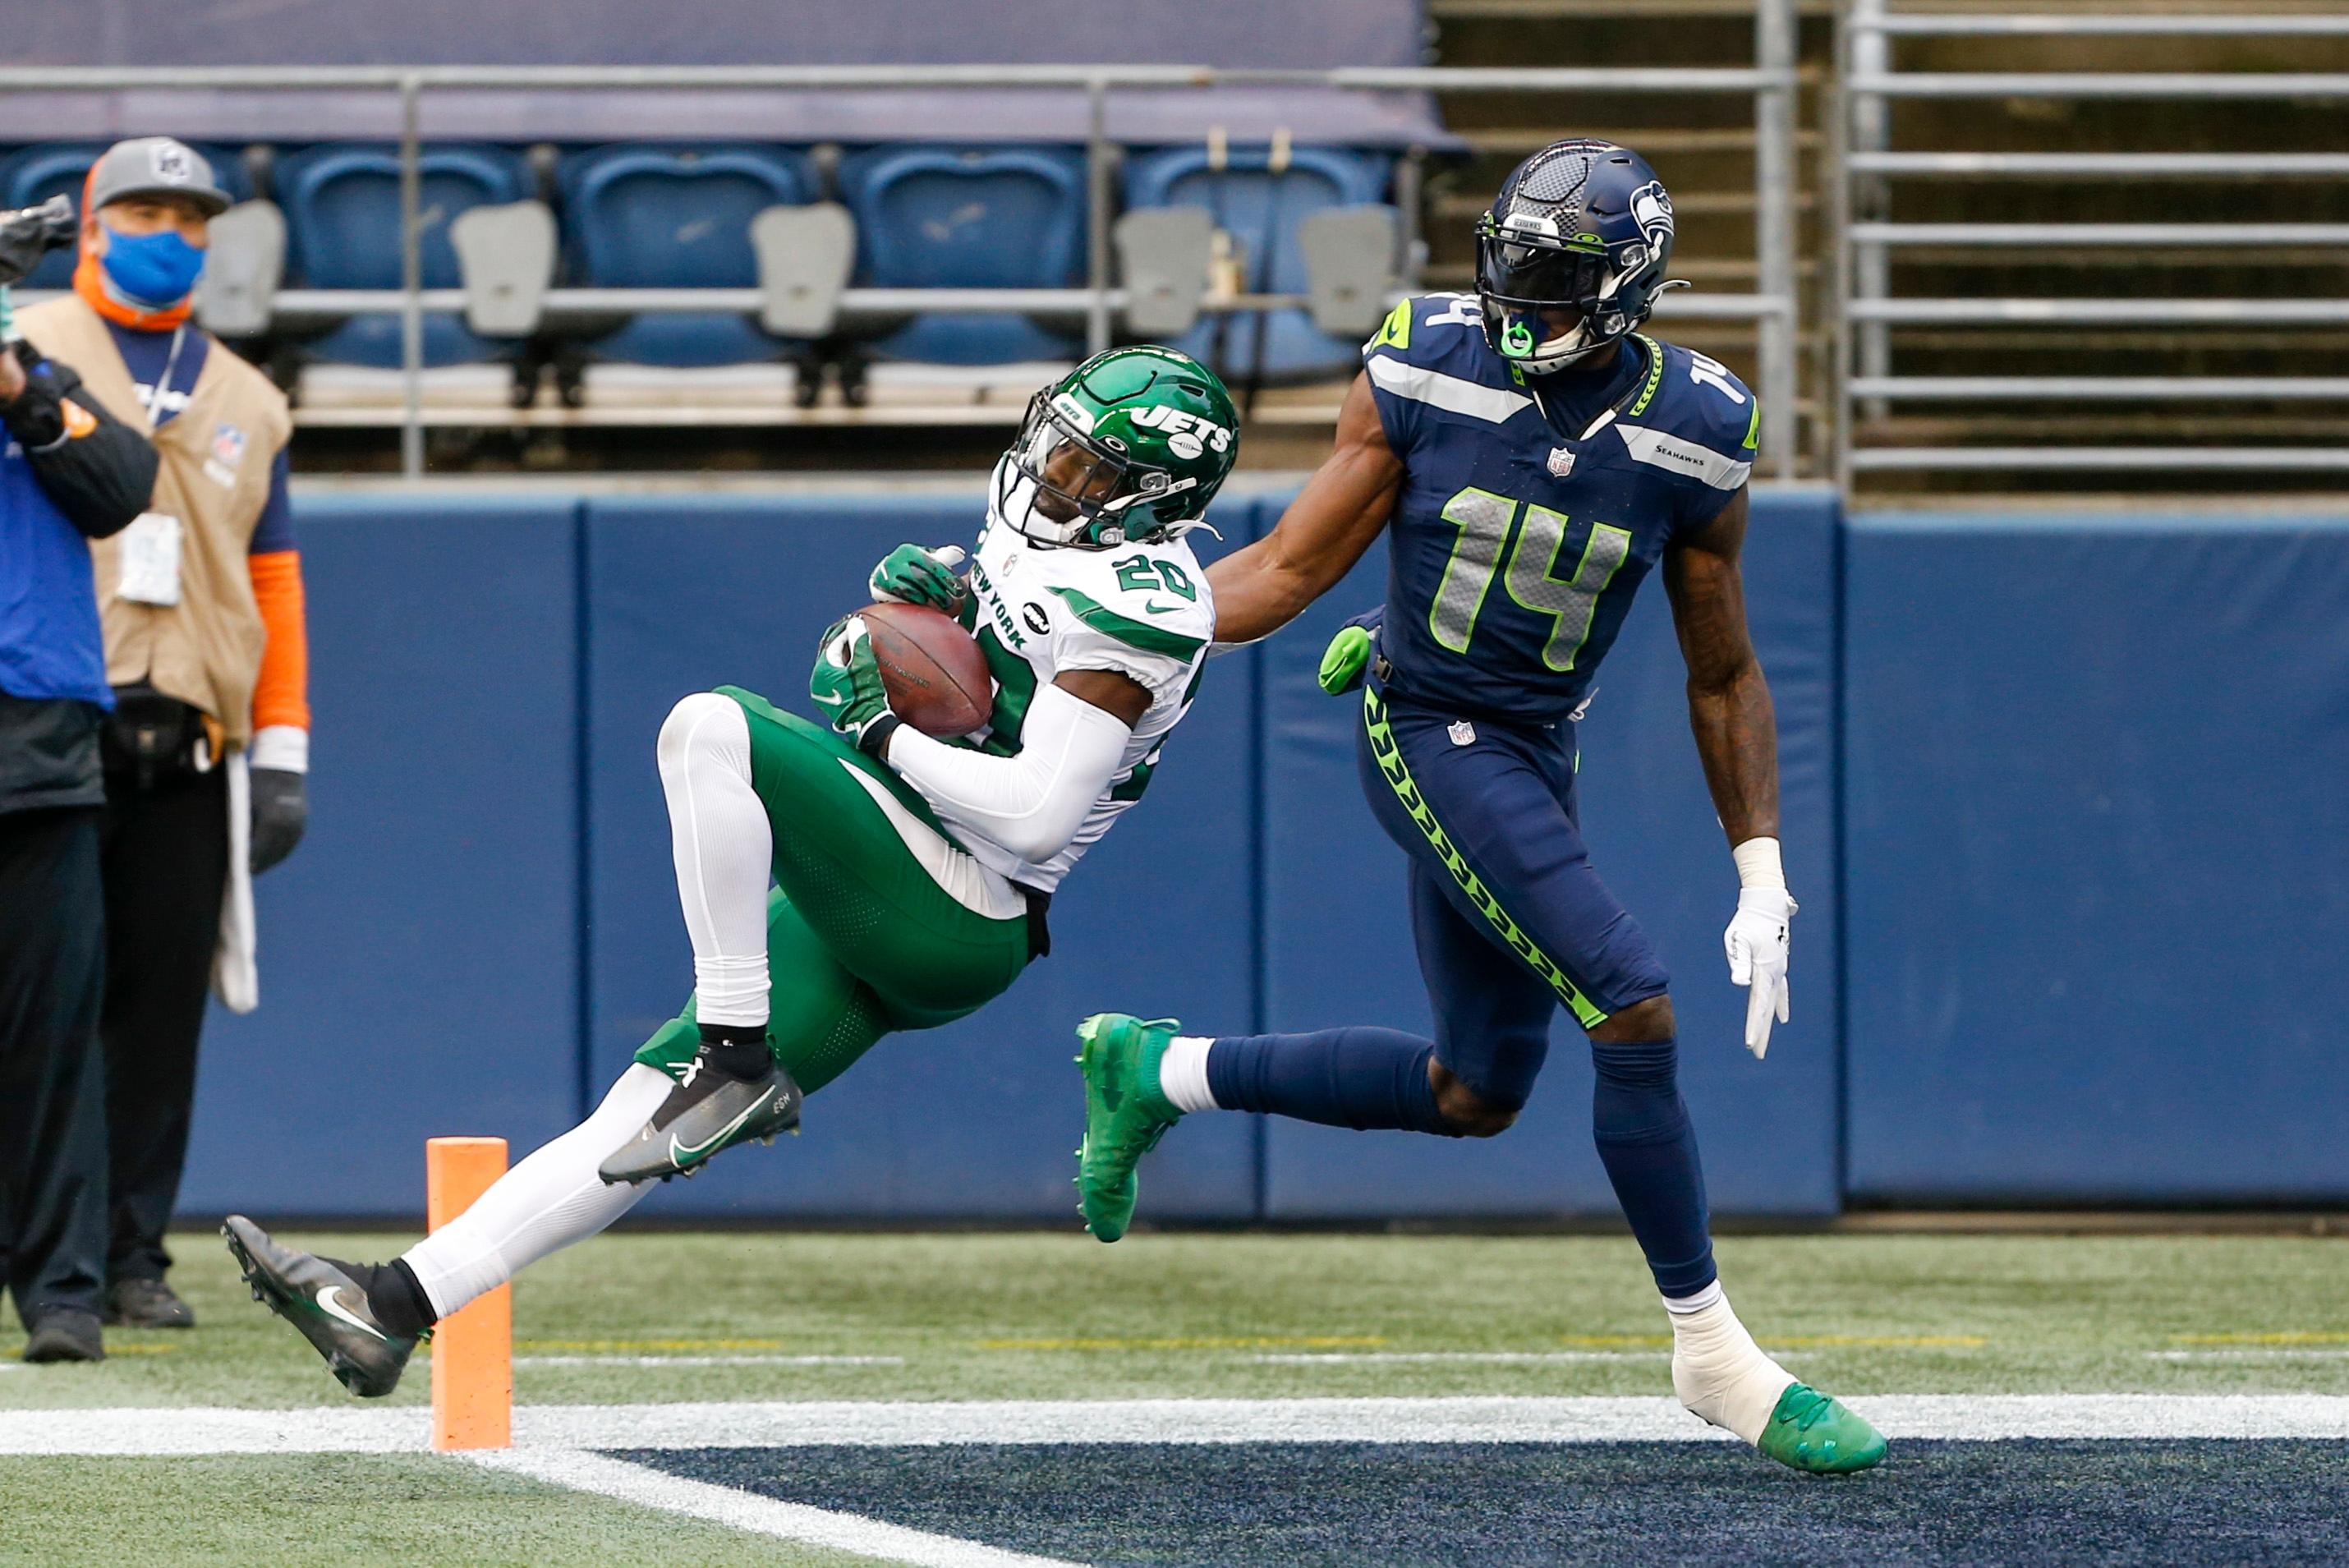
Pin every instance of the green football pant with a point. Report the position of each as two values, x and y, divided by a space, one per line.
862 938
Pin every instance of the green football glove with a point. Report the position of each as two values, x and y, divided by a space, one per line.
1343 661
910 574
847 687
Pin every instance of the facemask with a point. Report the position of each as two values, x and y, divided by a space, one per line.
153 270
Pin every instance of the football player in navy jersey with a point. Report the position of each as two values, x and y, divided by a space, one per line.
1532 458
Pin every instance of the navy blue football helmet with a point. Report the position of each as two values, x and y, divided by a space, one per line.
1580 226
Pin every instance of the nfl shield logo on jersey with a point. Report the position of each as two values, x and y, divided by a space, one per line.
1561 461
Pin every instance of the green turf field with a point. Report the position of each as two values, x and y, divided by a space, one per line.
660 1318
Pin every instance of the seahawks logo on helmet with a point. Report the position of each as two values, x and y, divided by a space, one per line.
1652 209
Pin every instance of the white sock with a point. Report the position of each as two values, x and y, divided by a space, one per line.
1183 1074
722 844
1717 1369
543 1205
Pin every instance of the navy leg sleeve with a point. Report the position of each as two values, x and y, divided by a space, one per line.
1648 1147
1360 1078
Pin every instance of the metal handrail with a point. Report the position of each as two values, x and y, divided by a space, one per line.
2131 165
2103 312
2103 389
555 78
2113 84
1772 82
1872 81
2169 459
2043 24
2225 235
882 302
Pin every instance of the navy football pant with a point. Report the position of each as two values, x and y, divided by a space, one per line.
1511 923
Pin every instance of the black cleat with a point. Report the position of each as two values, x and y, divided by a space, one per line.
710 1111
147 1303
65 1336
328 1305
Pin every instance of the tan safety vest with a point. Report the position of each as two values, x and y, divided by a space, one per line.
216 455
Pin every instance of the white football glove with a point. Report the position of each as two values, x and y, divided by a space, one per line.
1756 941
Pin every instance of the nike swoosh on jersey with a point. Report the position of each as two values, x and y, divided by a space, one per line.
1155 607
341 1313
681 1153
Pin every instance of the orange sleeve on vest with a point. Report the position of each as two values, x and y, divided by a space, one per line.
282 694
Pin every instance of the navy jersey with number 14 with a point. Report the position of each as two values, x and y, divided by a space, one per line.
1516 546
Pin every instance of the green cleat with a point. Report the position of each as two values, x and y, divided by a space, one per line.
1125 1114
1810 1432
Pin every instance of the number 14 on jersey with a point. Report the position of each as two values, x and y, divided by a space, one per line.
1485 521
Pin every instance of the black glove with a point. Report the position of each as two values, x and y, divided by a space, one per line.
29 233
280 808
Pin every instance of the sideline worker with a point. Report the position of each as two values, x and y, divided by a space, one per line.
67 468
207 653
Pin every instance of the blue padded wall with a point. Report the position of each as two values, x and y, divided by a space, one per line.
2090 811
977 1119
1338 940
419 953
2097 830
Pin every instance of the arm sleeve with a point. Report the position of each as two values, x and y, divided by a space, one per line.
281 694
98 471
1032 804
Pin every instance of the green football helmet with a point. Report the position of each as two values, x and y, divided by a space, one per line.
1129 447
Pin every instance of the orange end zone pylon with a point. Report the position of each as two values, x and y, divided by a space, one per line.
472 1349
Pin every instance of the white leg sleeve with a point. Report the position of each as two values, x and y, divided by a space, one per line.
543 1205
723 846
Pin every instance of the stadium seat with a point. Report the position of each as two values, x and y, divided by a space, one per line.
677 217
35 174
944 217
1250 203
342 230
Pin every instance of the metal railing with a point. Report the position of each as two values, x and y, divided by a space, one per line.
1771 83
1867 309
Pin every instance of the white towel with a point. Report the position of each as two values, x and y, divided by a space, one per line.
236 974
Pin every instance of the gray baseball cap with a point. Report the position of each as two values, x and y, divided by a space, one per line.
155 166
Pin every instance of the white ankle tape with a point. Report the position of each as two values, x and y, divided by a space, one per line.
1183 1074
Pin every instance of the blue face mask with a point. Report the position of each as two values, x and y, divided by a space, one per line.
154 270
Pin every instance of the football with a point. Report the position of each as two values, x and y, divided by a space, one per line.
937 676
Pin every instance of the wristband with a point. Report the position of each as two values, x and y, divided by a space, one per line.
1758 864
873 739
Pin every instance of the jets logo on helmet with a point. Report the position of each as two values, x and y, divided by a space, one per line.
1188 435
1129 446
1572 254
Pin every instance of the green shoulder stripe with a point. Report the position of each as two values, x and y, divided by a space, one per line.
1396 333
1132 633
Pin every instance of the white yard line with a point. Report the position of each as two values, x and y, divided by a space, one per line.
1389 1357
2273 1352
922 1423
710 1361
759 1515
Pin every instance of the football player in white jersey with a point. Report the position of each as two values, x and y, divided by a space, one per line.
910 875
